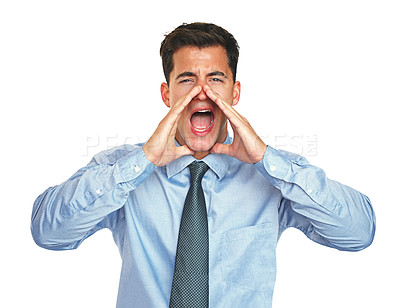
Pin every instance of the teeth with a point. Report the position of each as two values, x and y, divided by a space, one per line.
202 111
203 130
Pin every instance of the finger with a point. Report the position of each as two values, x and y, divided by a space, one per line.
183 150
172 118
226 108
169 125
220 148
236 120
181 104
172 130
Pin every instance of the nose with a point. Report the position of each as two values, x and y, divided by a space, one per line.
202 95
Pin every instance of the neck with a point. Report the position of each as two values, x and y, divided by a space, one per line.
201 155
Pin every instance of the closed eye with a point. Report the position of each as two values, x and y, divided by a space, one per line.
185 80
185 77
217 76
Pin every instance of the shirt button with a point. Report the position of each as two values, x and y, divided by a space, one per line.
137 169
309 191
272 168
98 191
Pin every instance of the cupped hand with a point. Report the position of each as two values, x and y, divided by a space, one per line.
247 146
160 149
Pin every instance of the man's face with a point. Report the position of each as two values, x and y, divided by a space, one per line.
202 123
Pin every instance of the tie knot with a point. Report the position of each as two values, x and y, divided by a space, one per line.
197 170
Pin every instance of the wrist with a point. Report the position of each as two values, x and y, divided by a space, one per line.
148 155
261 153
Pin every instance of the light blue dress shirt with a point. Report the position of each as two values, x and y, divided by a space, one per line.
248 207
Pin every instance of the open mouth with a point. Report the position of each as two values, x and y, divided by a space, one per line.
202 120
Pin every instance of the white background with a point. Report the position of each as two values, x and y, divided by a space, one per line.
77 77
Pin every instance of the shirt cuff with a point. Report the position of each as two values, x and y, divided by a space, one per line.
134 167
275 164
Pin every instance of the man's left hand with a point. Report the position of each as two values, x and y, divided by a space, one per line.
247 146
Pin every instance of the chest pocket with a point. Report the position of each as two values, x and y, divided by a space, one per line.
248 257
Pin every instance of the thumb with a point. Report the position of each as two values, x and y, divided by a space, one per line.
183 150
220 148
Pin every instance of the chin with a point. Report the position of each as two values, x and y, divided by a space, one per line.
199 144
202 142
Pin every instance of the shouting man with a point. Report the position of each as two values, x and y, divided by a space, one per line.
197 214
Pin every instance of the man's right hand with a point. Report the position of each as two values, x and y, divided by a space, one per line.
160 149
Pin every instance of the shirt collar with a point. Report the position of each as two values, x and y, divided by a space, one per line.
219 163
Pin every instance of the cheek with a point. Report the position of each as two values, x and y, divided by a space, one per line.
184 122
218 88
220 118
178 91
226 93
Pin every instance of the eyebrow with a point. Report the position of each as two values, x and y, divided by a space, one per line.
185 74
191 74
217 73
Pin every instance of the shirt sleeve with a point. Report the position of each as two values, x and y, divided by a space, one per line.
326 211
64 215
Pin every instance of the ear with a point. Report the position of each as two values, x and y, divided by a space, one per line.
236 92
165 94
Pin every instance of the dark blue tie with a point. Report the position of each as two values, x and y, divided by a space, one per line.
190 282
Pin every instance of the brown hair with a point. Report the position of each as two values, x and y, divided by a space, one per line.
198 35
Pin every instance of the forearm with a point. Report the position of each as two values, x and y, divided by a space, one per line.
64 215
326 211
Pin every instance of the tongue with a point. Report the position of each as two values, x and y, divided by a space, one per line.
201 120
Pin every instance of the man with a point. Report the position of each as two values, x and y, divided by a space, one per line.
247 195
